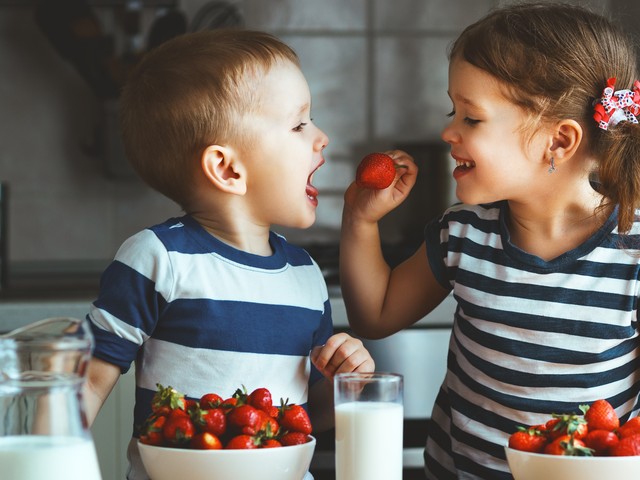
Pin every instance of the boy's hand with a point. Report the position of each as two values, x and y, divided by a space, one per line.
371 205
342 354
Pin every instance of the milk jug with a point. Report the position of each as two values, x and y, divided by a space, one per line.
43 427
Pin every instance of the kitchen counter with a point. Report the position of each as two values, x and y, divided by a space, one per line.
17 311
440 317
43 289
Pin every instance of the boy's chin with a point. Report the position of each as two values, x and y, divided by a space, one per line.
305 225
301 224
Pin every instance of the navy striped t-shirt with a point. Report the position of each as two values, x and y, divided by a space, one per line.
201 316
530 337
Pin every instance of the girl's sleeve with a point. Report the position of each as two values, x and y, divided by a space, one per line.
436 235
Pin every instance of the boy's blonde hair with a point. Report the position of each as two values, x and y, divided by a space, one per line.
191 92
554 61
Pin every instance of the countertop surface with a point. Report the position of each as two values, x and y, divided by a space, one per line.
16 311
37 290
41 291
440 317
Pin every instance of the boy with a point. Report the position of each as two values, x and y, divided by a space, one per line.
219 122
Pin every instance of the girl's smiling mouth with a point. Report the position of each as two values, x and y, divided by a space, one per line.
465 164
462 167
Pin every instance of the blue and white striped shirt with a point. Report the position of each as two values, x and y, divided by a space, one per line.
530 337
201 316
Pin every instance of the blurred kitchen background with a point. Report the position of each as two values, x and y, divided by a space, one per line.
377 70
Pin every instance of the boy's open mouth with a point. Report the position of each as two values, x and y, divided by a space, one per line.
312 192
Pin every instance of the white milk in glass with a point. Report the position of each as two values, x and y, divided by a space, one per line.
34 457
369 441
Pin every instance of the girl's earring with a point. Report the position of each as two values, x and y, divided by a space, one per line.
552 166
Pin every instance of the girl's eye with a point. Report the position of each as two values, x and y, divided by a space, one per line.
300 127
467 120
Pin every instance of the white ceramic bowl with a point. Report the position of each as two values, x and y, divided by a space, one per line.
538 466
283 463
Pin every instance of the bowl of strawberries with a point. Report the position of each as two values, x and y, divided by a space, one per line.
244 435
591 446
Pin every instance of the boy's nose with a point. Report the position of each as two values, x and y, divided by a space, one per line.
323 140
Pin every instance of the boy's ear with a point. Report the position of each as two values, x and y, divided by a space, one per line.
222 169
567 137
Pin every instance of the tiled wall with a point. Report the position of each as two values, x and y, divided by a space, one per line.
377 70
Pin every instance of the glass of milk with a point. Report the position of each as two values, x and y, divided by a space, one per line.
369 417
43 426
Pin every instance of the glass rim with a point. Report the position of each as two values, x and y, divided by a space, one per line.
359 376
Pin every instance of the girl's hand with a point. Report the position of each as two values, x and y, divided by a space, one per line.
371 205
342 354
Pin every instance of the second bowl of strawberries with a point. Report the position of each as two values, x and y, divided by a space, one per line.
598 432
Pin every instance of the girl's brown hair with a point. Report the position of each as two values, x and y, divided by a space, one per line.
189 93
554 60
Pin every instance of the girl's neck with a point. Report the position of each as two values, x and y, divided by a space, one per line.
549 229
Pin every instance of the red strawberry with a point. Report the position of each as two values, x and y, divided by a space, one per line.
627 447
229 403
376 171
567 445
293 438
241 396
205 441
528 440
244 419
151 432
632 427
212 421
178 428
601 441
261 399
294 418
167 399
210 400
601 416
190 404
274 411
567 424
267 425
271 443
242 442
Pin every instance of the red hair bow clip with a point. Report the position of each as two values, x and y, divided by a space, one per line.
617 106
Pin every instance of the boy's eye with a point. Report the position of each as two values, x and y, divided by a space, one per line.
300 127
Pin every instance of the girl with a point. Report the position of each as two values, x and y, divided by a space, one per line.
541 255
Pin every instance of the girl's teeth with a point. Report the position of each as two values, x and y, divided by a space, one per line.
465 164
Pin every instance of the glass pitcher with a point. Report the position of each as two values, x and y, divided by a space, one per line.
43 426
